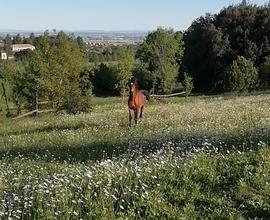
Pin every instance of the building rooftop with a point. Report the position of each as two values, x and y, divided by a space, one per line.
22 45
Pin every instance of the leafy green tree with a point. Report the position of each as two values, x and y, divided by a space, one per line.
214 41
81 44
8 44
86 87
31 82
124 68
17 39
66 62
27 82
237 22
206 54
241 75
53 72
161 53
264 74
260 33
144 76
105 80
6 72
21 83
32 39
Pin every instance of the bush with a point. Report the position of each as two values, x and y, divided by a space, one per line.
240 76
264 74
188 84
104 80
74 101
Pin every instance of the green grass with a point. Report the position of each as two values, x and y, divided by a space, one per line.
200 157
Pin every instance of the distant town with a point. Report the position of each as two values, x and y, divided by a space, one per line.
95 38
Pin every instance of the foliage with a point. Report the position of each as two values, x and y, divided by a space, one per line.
53 73
188 84
241 75
124 68
6 73
27 83
205 53
161 53
30 40
264 73
144 76
105 53
8 44
104 80
214 41
17 39
23 86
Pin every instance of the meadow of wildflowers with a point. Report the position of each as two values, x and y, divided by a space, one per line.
189 158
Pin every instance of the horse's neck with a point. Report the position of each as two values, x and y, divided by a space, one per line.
133 94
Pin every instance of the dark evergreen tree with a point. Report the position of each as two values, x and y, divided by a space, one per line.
214 41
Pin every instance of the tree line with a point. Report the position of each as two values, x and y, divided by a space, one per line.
224 52
228 51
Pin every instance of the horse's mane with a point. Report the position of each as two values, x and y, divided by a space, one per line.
135 81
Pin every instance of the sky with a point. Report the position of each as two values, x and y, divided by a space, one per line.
108 15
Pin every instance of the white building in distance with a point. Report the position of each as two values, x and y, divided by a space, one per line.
20 47
3 55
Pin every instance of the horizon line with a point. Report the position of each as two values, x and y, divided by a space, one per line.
77 30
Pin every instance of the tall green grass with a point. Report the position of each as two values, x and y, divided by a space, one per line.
194 158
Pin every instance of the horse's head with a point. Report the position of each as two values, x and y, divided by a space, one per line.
133 84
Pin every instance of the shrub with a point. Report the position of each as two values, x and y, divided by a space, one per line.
104 80
264 74
188 84
241 75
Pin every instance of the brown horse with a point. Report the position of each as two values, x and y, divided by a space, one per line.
136 100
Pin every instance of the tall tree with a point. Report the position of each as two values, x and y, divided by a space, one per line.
238 23
54 72
6 72
66 62
125 67
17 39
214 41
264 74
105 80
206 53
8 44
261 30
161 53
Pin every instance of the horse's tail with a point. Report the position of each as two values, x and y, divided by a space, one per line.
146 93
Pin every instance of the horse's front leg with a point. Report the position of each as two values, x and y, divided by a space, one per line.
130 116
136 115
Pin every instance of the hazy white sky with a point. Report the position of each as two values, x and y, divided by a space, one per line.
106 14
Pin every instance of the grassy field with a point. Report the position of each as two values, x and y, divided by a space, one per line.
195 158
